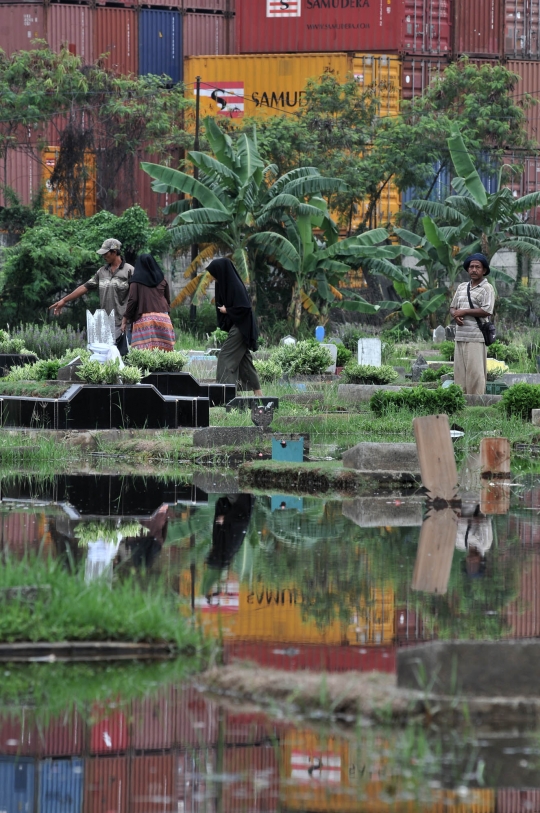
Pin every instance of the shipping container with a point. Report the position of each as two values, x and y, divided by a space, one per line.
523 614
382 214
18 735
251 729
152 720
134 186
116 33
153 784
254 783
518 800
209 34
22 532
71 27
20 25
106 785
54 199
268 85
521 29
109 733
478 27
160 43
405 26
417 74
224 6
316 658
61 786
23 175
196 719
64 735
17 785
529 73
197 788
526 181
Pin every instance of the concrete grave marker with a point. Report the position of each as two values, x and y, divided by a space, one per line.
439 334
332 349
287 340
418 368
369 352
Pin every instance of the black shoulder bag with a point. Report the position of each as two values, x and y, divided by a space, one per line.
487 328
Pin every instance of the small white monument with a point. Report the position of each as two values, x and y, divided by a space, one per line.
332 349
288 340
369 352
439 334
100 327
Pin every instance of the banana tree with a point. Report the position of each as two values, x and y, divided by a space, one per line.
237 194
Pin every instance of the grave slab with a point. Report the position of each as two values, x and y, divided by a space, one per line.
482 400
439 334
374 512
535 417
392 457
227 436
332 349
520 378
363 392
244 402
185 385
369 352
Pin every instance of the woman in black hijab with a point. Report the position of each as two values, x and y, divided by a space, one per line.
148 307
235 316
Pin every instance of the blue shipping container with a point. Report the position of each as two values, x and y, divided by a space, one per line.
60 786
160 43
16 785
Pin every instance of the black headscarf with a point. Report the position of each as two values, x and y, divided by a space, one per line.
481 258
228 536
147 271
231 292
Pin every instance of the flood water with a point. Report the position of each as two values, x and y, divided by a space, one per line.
283 582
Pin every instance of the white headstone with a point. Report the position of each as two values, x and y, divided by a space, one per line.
288 340
100 327
369 352
332 349
439 334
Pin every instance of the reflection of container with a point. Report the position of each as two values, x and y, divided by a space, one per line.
153 784
105 785
64 735
254 771
109 734
196 719
153 720
61 785
16 785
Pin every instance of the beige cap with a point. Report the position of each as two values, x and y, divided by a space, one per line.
110 245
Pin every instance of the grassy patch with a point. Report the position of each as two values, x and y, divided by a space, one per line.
34 389
69 609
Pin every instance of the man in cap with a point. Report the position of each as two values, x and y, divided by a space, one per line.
112 281
470 369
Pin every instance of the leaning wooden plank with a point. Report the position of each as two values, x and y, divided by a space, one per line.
435 552
495 457
436 456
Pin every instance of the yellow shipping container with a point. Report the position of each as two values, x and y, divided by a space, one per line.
54 200
273 84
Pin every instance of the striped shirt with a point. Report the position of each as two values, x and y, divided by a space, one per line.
113 289
483 296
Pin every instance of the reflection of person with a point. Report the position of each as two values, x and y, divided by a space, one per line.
146 549
148 307
112 281
474 535
231 521
235 316
470 371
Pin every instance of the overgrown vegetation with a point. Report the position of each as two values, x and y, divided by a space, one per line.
303 358
419 400
368 374
520 399
157 361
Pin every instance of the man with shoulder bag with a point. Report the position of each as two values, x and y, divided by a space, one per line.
471 308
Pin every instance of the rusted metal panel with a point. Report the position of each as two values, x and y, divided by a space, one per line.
22 532
18 735
71 27
521 29
106 785
208 34
109 733
523 614
23 175
478 27
64 736
255 783
116 33
152 721
196 719
153 785
529 73
518 800
417 73
20 25
427 27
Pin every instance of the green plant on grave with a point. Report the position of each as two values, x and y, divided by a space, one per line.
218 337
510 353
446 350
131 375
268 371
107 530
11 345
303 358
157 361
368 374
93 372
520 399
431 374
419 400
343 355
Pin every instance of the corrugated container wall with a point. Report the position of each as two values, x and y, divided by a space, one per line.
23 175
105 784
477 27
517 800
20 25
268 85
417 74
160 43
529 83
54 200
16 785
409 26
209 34
205 5
61 785
153 784
521 28
116 33
71 27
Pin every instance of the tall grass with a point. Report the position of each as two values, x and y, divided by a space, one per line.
50 340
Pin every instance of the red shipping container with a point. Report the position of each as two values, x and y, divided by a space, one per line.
71 27
521 29
417 74
109 733
64 736
153 719
477 27
23 175
116 33
529 73
19 736
293 26
153 784
19 25
255 783
227 6
523 614
208 34
525 183
514 800
196 787
250 729
196 719
105 785
21 532
311 656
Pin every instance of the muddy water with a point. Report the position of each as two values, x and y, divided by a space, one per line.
285 582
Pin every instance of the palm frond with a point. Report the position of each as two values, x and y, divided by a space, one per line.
207 253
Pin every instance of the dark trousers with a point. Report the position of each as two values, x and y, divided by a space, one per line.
235 363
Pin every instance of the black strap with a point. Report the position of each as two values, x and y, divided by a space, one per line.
478 320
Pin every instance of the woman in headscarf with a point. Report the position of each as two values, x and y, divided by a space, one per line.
148 307
235 316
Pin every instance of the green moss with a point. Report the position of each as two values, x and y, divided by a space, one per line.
34 389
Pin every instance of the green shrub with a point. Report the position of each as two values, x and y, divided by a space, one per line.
44 369
520 399
268 371
446 350
157 361
131 375
430 375
303 358
367 374
343 355
50 341
93 372
509 353
350 338
419 400
218 337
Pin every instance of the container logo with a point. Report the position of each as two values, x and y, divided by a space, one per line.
283 8
228 96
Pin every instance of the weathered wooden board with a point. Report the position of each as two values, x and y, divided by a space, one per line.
495 456
435 552
436 456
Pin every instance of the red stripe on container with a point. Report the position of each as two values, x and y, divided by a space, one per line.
291 657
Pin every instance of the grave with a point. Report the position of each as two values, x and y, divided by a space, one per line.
369 352
100 327
439 334
376 512
288 451
87 406
363 392
450 332
332 349
186 385
69 372
388 457
519 378
9 360
418 368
